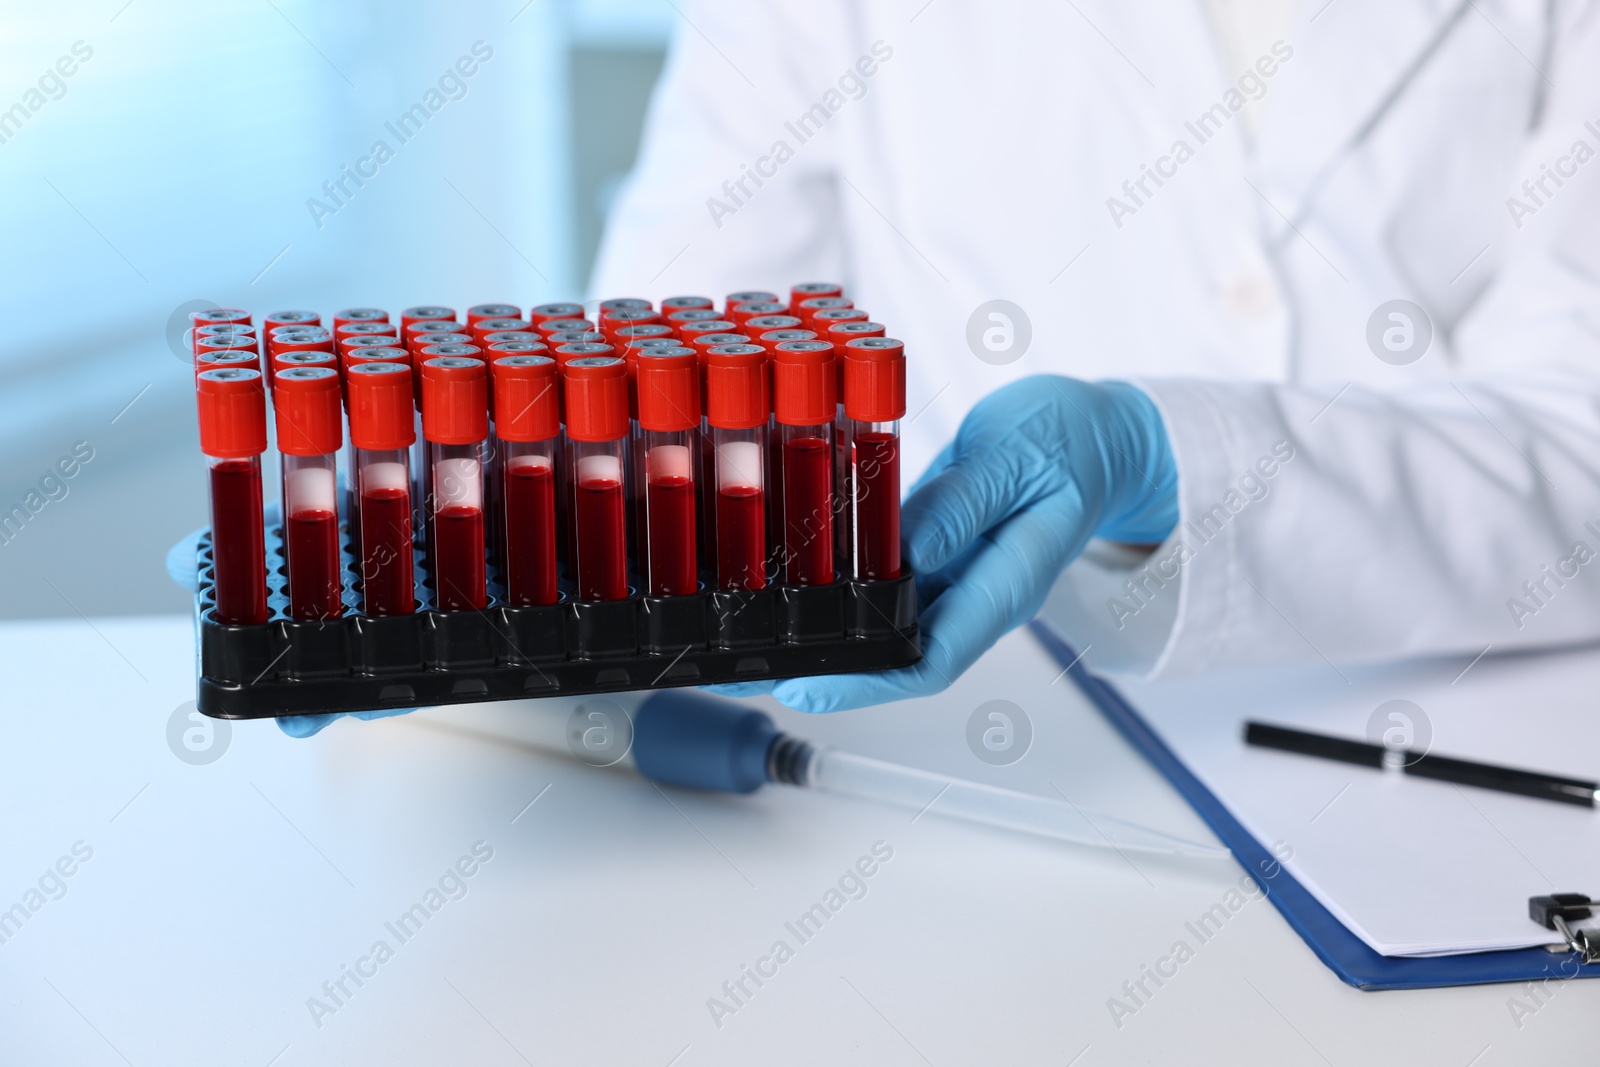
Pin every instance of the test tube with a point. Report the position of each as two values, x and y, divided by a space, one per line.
214 317
238 358
500 337
771 339
298 339
749 296
479 312
685 303
413 337
306 402
874 404
839 326
382 431
614 319
482 328
738 410
527 420
550 326
740 314
807 308
455 423
679 319
811 290
284 360
233 433
274 319
803 392
358 315
225 331
541 313
596 400
760 324
344 336
669 431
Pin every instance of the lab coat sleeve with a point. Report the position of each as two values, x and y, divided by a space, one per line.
732 189
1334 524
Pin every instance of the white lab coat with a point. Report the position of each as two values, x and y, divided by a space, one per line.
1421 503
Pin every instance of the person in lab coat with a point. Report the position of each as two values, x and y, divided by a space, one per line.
1346 253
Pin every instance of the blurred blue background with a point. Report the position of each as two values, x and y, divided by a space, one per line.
174 165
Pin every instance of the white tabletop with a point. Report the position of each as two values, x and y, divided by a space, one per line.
219 898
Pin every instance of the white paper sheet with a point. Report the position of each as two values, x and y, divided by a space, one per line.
1413 867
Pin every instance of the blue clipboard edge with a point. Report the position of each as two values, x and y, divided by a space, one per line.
1342 951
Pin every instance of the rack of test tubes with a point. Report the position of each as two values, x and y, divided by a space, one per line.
503 507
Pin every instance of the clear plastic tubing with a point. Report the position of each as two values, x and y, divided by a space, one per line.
382 431
527 422
874 404
669 432
596 400
232 405
804 388
739 406
306 403
455 423
862 776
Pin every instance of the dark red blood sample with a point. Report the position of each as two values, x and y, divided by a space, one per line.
877 489
670 503
808 511
598 540
530 534
458 565
312 541
386 570
741 538
238 542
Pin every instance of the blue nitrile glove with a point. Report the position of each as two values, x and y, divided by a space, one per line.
182 569
1037 469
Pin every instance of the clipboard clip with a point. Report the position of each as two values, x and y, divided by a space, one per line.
1553 912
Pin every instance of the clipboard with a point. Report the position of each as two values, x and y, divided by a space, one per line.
1340 950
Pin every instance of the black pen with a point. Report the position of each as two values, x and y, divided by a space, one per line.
1424 765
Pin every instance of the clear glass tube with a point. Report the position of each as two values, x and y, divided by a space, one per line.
383 477
739 508
599 538
456 542
528 479
669 551
862 776
807 462
874 486
311 536
238 540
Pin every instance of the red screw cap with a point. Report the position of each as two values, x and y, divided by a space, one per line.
455 399
526 397
738 394
596 390
306 403
380 406
669 389
804 385
874 379
233 412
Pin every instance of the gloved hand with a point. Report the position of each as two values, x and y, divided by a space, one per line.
181 568
1037 469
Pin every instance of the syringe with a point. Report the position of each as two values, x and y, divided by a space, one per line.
685 738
